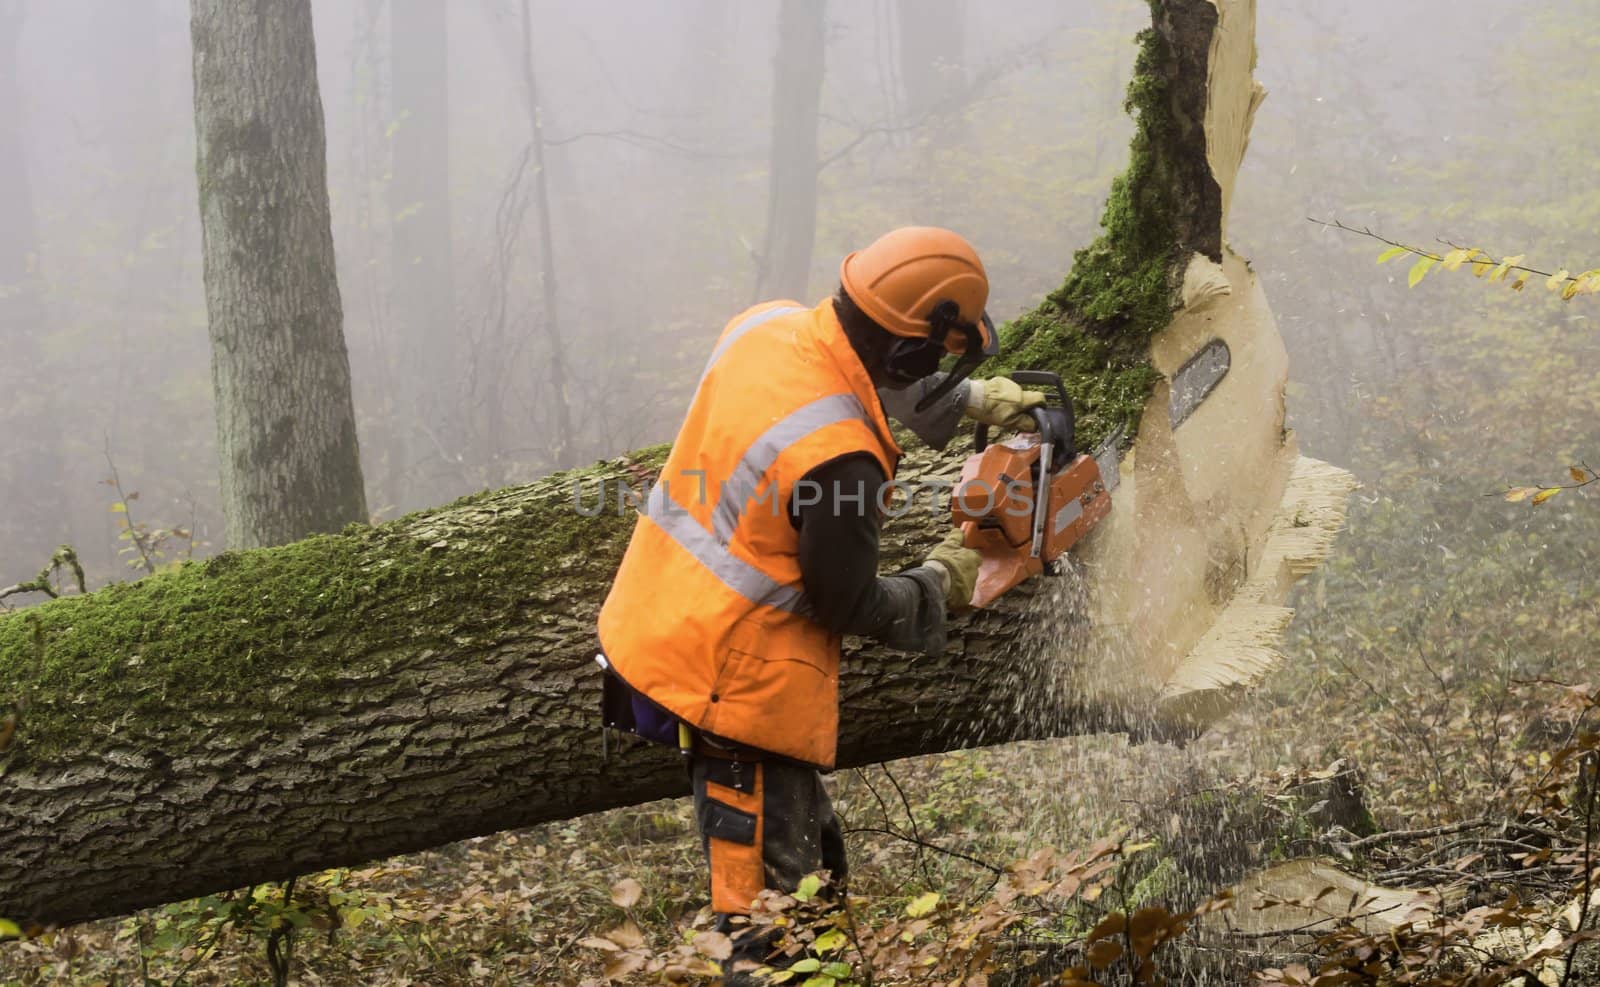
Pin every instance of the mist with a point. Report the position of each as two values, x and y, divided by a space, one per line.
545 213
657 127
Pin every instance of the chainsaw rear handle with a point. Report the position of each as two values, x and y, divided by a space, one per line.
1056 422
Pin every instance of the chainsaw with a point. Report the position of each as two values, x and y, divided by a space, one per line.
1025 501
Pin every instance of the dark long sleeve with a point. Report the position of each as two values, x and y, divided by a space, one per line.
835 509
935 426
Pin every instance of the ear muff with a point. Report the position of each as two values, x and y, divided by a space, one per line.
981 343
911 359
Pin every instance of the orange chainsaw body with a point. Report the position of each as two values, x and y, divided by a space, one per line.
994 504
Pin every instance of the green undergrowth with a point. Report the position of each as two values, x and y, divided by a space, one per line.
1095 328
256 639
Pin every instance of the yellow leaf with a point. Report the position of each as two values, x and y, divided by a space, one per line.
1556 279
1521 282
1455 258
1420 270
1479 267
1570 290
830 941
1545 495
1500 269
1392 253
1579 475
1519 493
923 905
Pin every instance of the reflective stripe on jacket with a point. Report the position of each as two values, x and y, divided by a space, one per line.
708 616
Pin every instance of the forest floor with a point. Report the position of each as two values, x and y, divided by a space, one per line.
1438 707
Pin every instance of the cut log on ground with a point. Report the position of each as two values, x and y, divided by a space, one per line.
348 697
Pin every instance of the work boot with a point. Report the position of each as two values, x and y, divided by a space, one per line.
752 948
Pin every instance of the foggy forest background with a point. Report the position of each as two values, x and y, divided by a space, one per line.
658 121
505 321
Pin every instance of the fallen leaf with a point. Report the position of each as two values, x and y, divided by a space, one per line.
713 944
626 893
623 965
595 942
626 935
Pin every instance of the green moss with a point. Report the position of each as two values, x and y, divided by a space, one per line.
1163 884
1122 284
210 640
1094 330
1109 381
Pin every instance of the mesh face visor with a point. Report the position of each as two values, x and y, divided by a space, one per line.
981 344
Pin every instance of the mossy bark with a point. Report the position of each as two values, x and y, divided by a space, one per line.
352 696
1162 210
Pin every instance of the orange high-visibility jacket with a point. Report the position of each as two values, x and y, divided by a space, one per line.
708 617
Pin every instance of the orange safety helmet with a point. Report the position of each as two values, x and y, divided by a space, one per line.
906 273
927 286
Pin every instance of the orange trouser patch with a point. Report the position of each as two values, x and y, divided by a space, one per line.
734 846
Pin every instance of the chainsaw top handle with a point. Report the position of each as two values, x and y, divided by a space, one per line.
1055 421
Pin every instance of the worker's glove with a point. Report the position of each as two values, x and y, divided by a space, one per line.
1001 402
960 566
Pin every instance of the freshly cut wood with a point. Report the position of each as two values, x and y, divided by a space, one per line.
352 696
1309 897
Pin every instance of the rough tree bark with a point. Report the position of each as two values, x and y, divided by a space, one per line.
342 698
286 433
785 262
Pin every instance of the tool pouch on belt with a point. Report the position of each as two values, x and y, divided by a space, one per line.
731 822
621 708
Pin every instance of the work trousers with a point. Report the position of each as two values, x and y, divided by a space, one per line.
765 822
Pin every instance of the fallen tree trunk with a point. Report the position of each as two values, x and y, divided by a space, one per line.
353 696
273 712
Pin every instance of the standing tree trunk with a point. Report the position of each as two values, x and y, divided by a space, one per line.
561 445
286 432
785 270
387 689
931 49
422 274
31 526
